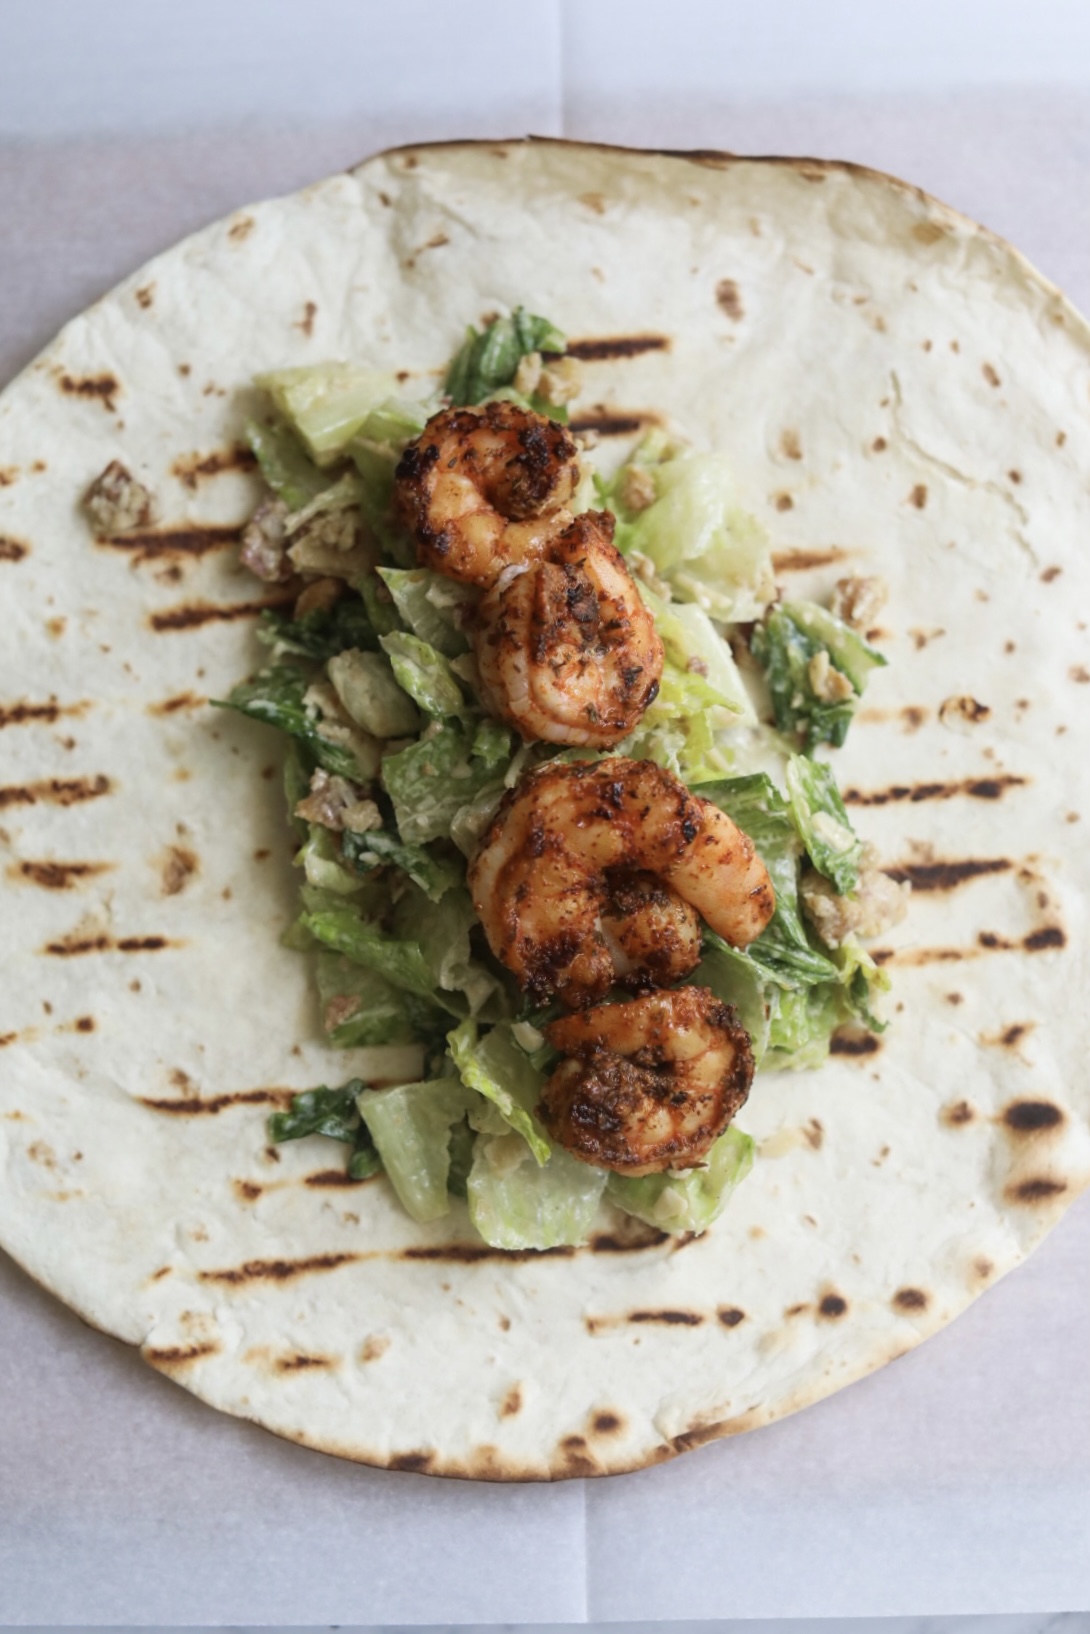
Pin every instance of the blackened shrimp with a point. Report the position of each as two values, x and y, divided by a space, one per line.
483 488
566 649
647 1085
652 934
541 876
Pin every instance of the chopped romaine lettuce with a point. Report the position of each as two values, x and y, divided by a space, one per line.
515 1204
402 962
499 1070
689 1201
331 1112
432 779
697 650
377 849
442 930
424 674
361 1008
431 606
738 980
285 464
488 360
371 693
323 863
491 743
832 844
275 696
695 533
800 643
321 634
410 1125
327 403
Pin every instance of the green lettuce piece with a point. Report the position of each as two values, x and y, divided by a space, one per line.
861 978
470 821
711 551
822 820
410 1125
431 780
275 696
327 403
690 1202
285 464
430 605
298 767
330 1112
792 635
402 962
488 360
323 863
424 674
699 654
463 1139
499 1070
377 849
371 693
442 930
321 634
491 743
380 606
802 1025
738 980
515 1204
382 1013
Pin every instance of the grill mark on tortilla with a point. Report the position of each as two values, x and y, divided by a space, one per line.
12 550
23 713
472 1253
190 468
56 876
70 946
181 700
852 1043
730 1315
832 1307
279 1270
669 1318
948 874
195 1106
336 1177
1010 1037
977 788
910 1299
605 1242
191 615
187 540
988 941
55 791
179 1355
609 422
299 1363
102 388
413 1463
1031 1117
1037 1190
801 561
177 866
616 346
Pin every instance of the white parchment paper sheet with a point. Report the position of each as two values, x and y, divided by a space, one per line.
957 1480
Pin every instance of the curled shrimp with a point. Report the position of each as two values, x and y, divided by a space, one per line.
566 649
652 934
540 878
647 1085
483 488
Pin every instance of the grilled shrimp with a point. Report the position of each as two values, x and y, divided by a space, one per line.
566 649
541 876
483 488
647 1085
652 934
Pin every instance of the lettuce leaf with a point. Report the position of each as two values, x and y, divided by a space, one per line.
371 1009
499 1070
434 874
488 359
424 674
321 634
401 961
333 1113
327 403
410 1125
515 1204
692 1201
284 463
431 606
791 637
431 780
371 692
822 820
275 696
442 930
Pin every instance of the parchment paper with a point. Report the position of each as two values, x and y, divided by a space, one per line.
957 1480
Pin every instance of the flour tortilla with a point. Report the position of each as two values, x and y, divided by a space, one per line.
899 393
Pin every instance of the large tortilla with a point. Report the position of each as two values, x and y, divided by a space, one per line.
900 393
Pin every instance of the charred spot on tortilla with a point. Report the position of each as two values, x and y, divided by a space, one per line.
300 1362
101 388
241 228
1032 1117
184 542
832 1307
146 295
1040 1189
192 615
248 1191
54 875
963 709
918 496
335 1178
24 713
668 1318
1048 936
412 1463
783 502
179 1355
512 1402
947 874
195 1106
177 867
613 422
790 444
191 468
957 1114
279 1270
12 550
990 375
728 298
854 1041
910 1299
977 788
607 1422
616 346
730 1315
